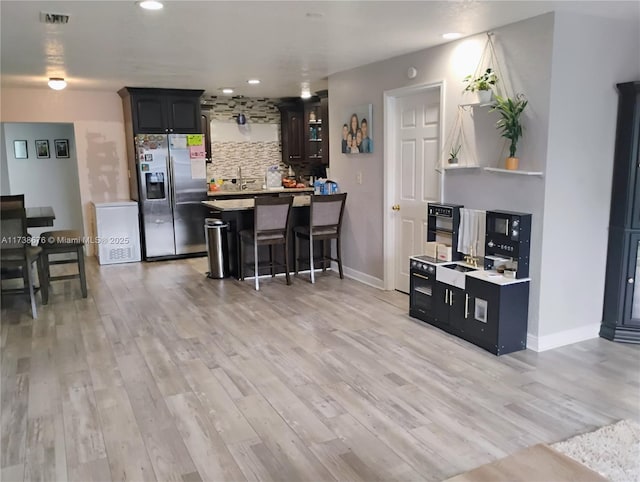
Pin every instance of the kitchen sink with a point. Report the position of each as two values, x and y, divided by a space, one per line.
459 267
453 274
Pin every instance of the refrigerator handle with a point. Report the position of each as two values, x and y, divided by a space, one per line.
172 184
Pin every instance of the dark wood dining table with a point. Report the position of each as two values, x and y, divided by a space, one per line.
40 217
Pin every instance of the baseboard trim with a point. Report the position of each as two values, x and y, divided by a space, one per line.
361 277
562 338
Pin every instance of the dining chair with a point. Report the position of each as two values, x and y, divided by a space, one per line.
64 241
271 217
14 201
16 252
325 224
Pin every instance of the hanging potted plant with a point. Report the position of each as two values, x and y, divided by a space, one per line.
453 154
482 84
510 111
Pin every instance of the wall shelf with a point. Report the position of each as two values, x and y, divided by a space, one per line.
453 167
477 104
516 172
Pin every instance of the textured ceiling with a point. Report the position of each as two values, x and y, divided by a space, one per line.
210 45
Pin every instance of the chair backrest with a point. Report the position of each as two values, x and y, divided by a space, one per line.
271 214
13 226
15 201
327 210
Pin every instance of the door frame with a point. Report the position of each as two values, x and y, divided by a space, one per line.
389 173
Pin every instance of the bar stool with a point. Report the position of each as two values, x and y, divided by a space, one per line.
17 252
62 242
270 227
325 224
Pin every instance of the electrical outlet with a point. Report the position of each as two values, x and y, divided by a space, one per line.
359 177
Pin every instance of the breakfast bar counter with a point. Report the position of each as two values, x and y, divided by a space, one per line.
245 204
238 213
222 193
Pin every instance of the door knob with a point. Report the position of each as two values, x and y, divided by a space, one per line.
630 281
396 207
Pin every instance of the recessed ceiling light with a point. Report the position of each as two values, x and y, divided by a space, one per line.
151 5
253 81
305 90
57 83
227 91
451 35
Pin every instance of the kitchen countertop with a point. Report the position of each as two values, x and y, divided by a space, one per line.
248 203
253 192
495 277
490 276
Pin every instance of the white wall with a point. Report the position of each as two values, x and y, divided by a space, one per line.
525 53
45 182
590 55
98 123
567 65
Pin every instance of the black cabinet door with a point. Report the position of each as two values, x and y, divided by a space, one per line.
293 138
441 305
632 294
205 128
457 299
183 114
481 314
149 114
635 220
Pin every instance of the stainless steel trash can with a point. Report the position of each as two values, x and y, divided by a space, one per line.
215 231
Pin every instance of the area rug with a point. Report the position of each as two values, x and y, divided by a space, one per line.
613 451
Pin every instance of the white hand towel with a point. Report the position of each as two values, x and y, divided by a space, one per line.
464 231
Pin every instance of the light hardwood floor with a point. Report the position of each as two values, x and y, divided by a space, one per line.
163 374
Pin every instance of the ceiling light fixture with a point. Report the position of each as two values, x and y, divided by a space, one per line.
253 81
227 91
305 92
151 5
57 83
451 35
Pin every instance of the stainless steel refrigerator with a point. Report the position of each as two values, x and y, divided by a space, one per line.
171 186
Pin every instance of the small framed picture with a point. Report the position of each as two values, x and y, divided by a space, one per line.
62 147
20 150
42 149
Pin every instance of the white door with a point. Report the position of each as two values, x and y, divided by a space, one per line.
417 135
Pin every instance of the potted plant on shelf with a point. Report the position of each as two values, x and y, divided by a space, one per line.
483 85
510 111
453 154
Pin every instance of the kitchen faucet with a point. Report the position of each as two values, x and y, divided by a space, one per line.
470 259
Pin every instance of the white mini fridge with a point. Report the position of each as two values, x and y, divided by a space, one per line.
117 232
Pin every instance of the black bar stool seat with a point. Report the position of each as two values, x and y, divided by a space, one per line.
60 242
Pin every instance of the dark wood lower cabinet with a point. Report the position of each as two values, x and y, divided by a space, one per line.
489 315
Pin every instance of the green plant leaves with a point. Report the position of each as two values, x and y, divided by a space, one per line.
483 82
510 110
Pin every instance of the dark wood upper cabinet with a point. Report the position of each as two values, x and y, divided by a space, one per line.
621 310
292 132
163 111
205 128
305 132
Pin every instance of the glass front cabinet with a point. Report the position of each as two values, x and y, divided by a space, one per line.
621 311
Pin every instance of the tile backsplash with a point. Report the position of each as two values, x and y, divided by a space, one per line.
253 147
